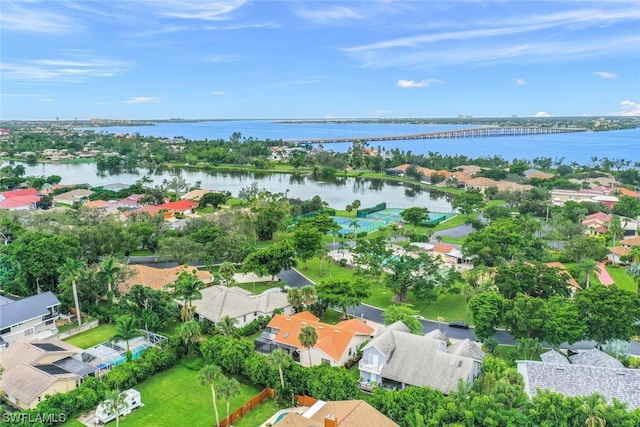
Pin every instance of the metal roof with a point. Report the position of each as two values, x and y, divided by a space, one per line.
25 309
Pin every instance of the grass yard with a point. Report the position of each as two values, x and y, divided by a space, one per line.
622 279
93 336
314 273
175 398
259 415
331 316
449 306
257 287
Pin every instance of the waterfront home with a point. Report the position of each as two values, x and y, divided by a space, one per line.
196 195
37 369
336 343
29 318
396 358
182 207
340 413
70 197
241 305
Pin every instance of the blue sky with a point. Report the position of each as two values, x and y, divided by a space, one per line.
317 59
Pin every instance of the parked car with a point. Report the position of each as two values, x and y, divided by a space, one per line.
459 324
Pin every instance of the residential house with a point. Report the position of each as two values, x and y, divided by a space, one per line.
19 193
609 201
20 203
481 184
150 209
196 195
157 278
394 172
450 255
582 374
35 369
339 413
537 174
596 223
559 196
131 202
182 207
28 318
336 343
243 306
630 242
70 197
626 192
396 358
573 283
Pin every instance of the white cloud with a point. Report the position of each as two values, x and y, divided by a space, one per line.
217 93
141 99
68 70
519 81
328 15
206 11
605 75
29 20
628 108
542 114
412 83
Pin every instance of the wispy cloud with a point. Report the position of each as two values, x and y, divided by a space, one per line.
199 10
61 69
519 81
412 83
15 17
628 108
328 15
141 99
266 25
605 75
217 93
303 81
542 114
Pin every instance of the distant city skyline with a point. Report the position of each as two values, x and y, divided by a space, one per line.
241 59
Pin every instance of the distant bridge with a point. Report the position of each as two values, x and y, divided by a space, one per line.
483 132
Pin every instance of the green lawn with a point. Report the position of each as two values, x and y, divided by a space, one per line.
315 274
331 316
93 336
449 306
175 398
622 279
73 423
257 287
259 415
503 350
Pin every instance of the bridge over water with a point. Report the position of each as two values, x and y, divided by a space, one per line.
483 132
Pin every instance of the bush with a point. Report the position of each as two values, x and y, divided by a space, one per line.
361 234
343 262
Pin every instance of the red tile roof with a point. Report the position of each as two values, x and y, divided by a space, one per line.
180 205
19 201
442 248
19 193
151 210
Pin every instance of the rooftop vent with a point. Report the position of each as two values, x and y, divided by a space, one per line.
286 334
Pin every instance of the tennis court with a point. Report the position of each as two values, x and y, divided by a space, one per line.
364 224
393 215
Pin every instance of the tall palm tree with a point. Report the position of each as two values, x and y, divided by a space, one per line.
529 347
594 408
227 325
190 333
109 270
115 402
309 295
126 330
187 288
355 224
70 271
295 298
209 374
281 359
588 267
308 337
229 388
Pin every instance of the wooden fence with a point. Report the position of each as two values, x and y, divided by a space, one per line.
305 400
267 393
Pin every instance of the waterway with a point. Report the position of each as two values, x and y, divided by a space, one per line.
337 193
578 147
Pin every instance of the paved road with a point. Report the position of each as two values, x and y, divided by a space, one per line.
374 314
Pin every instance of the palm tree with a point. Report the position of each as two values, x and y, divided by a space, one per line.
295 298
588 267
229 388
356 204
529 347
226 271
355 224
126 330
594 408
190 334
281 359
70 270
227 325
309 295
109 270
115 402
187 288
634 254
209 374
308 337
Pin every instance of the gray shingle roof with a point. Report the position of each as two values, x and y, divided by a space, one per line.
583 380
27 308
466 348
553 356
595 357
437 334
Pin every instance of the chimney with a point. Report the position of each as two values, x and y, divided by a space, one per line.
330 420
